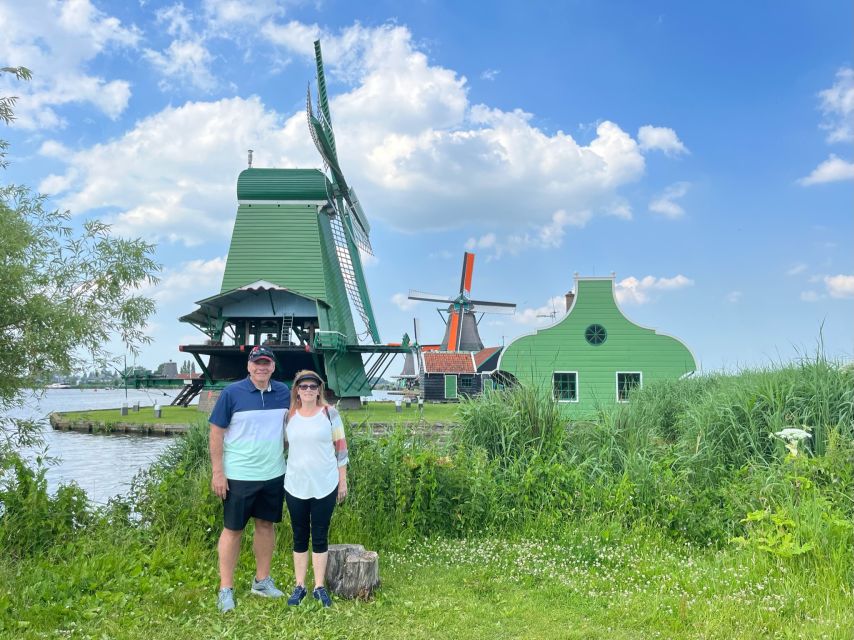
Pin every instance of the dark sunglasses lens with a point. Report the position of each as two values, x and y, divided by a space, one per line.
308 387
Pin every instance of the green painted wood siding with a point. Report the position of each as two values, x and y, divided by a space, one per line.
277 243
283 184
628 348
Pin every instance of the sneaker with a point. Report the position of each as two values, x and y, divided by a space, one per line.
225 599
319 593
265 588
297 595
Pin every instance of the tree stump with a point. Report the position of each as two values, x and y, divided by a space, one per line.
352 572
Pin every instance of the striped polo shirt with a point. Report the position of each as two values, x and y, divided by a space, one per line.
253 447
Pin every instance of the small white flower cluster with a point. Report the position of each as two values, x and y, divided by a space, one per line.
792 436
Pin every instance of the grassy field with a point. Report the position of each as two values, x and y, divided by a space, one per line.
374 412
575 587
678 515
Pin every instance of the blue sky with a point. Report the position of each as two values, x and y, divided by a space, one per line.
700 151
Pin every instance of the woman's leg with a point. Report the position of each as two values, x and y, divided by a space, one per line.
300 512
321 515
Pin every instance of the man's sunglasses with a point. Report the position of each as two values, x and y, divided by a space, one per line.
308 387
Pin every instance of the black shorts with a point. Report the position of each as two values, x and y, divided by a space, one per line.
246 499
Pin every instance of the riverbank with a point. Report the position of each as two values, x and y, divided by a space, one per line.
377 416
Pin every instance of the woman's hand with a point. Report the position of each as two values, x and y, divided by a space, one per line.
342 488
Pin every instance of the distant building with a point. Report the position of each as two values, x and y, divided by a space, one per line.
168 370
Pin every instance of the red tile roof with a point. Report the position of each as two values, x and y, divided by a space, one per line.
485 354
448 362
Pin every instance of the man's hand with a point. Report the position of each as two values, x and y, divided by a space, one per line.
219 485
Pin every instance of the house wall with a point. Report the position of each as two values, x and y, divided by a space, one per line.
563 347
433 385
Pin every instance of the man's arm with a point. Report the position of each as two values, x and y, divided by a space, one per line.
219 483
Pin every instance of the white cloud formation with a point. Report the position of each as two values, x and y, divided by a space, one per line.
57 41
184 61
810 296
633 291
665 203
551 311
179 169
489 74
837 105
833 169
662 139
193 278
840 286
420 154
734 297
403 302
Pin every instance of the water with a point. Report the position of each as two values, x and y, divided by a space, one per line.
102 464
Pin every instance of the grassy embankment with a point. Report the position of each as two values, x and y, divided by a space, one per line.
375 412
676 516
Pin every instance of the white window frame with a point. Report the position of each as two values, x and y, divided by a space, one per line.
577 387
617 384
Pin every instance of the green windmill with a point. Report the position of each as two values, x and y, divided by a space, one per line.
293 279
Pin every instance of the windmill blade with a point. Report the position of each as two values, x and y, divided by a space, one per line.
322 98
483 306
454 330
415 325
429 297
468 270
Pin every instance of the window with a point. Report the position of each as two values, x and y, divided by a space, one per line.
565 384
626 382
466 384
595 334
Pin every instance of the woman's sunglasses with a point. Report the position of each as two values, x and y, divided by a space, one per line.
307 387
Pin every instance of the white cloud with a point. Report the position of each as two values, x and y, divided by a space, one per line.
187 280
662 139
797 269
833 169
837 105
58 41
184 61
633 291
840 286
489 74
179 169
421 155
665 203
552 310
810 296
734 297
403 302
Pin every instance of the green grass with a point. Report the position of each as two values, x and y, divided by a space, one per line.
375 412
145 415
574 587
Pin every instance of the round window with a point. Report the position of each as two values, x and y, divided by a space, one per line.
595 334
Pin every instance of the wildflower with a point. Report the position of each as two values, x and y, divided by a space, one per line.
792 436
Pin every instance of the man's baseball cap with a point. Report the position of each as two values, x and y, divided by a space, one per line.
259 353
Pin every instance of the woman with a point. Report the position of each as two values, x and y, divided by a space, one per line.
316 478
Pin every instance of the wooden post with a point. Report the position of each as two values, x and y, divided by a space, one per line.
352 572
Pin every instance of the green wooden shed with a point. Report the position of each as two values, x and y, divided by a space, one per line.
594 356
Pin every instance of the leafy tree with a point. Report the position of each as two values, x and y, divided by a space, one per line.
66 293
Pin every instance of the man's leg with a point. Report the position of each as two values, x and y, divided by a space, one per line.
263 544
229 550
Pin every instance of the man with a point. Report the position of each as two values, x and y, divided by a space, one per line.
247 456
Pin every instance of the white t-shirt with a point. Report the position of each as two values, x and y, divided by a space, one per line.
312 470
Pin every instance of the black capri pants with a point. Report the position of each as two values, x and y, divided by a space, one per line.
311 515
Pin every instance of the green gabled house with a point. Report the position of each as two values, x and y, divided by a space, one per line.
594 356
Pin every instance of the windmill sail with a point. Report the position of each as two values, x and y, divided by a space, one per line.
347 219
